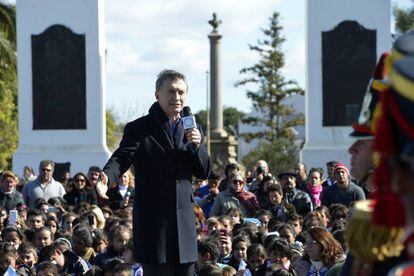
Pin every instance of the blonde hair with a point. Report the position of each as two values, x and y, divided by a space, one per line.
99 216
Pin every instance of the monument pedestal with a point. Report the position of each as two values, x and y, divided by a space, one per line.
61 84
223 148
343 45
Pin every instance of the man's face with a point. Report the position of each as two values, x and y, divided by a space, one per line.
330 170
8 184
46 173
288 182
94 177
171 97
341 176
361 158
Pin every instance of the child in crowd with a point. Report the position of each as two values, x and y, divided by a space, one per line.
82 242
208 251
256 256
213 224
13 235
66 262
118 237
27 257
67 221
123 270
239 256
43 237
8 257
129 258
100 241
236 215
47 269
227 223
225 247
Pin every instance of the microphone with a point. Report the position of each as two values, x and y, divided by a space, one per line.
189 122
188 118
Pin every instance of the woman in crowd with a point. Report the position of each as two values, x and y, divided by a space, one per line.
314 186
81 192
235 196
121 195
322 251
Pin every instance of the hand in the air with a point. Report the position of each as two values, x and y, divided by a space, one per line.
102 186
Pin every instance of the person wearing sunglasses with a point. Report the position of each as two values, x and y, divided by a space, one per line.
82 191
235 196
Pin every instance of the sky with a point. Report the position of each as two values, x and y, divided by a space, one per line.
144 37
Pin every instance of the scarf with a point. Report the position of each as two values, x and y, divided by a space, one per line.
315 192
248 200
90 253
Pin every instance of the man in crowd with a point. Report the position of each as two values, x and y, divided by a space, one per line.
261 169
302 176
208 194
330 167
164 156
44 186
344 190
294 196
10 198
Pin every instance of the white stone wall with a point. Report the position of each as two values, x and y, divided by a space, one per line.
80 147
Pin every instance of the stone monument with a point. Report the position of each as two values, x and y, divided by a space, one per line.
222 145
344 40
61 62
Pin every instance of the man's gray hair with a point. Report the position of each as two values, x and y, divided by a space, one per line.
45 163
166 75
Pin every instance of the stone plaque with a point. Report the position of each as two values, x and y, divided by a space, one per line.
348 60
59 79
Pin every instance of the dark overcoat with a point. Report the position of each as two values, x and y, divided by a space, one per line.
164 223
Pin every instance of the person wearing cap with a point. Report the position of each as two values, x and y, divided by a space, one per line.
10 199
344 190
294 196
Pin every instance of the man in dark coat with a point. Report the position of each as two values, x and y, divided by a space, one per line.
164 156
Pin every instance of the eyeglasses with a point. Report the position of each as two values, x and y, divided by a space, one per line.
80 180
235 181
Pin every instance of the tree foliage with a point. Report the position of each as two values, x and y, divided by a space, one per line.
8 85
231 118
280 155
113 129
273 89
404 19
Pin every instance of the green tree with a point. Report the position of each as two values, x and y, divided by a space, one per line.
280 155
113 129
276 118
404 18
231 118
8 85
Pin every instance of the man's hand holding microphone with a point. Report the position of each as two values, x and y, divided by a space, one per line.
192 133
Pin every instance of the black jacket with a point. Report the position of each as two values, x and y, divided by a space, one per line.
74 197
164 222
11 201
115 200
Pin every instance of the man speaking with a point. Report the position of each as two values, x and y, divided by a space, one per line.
165 155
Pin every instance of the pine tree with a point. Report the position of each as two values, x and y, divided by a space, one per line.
273 89
404 19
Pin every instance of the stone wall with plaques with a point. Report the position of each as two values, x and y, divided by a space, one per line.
61 84
344 39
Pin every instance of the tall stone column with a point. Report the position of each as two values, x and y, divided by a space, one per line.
216 106
223 146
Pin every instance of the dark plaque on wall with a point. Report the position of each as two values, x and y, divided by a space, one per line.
59 79
349 53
